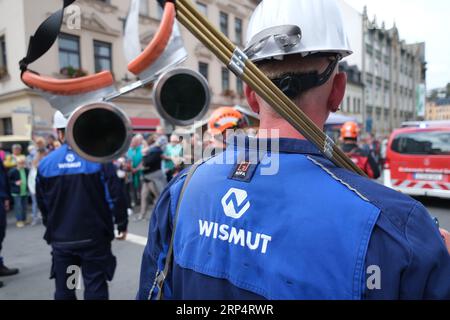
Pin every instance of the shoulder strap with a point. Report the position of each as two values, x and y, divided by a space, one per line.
162 275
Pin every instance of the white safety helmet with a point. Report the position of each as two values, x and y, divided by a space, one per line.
59 121
279 28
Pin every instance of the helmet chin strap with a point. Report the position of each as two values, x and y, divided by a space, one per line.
294 84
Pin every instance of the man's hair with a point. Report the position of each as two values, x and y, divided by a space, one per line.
151 139
39 141
293 64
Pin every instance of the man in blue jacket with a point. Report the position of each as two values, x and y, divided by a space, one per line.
80 201
5 196
275 219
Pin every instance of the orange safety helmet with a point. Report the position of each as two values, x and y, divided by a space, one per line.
224 118
350 130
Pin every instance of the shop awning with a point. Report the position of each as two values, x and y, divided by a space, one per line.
142 125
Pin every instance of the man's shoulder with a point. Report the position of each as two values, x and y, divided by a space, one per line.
52 156
64 161
394 205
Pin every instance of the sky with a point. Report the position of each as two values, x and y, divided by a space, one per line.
418 21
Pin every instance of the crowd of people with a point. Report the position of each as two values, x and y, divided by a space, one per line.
147 167
153 161
145 170
74 198
21 169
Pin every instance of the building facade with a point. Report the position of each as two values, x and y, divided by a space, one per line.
393 73
353 102
438 110
91 40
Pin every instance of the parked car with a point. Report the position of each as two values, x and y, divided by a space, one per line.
418 161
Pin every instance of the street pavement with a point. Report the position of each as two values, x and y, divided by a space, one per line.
25 249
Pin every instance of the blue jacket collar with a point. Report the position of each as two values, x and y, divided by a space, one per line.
285 145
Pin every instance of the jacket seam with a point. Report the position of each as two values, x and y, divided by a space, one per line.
411 257
375 203
342 182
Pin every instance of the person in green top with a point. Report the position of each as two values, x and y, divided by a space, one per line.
18 180
135 156
172 157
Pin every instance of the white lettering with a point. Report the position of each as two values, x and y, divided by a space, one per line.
374 279
74 17
237 237
266 240
224 232
74 280
232 235
205 228
69 165
255 245
187 310
216 229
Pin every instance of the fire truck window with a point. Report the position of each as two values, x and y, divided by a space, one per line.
423 143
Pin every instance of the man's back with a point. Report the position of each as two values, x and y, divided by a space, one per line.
78 198
312 231
152 160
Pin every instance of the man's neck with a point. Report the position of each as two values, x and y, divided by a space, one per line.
283 130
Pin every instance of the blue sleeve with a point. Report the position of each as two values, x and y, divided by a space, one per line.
412 258
159 234
40 198
428 272
115 196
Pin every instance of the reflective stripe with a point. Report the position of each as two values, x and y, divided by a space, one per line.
405 184
436 185
417 184
420 184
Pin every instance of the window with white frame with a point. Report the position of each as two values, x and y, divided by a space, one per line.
102 56
225 80
203 69
224 23
238 31
69 51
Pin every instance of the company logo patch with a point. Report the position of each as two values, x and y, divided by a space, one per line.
70 162
243 171
235 203
70 158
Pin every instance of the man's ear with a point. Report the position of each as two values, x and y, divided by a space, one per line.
61 135
252 99
338 91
